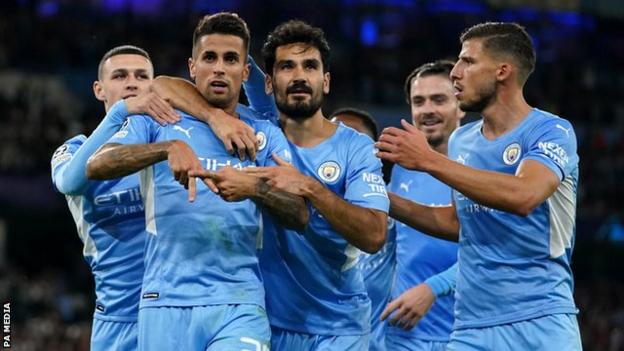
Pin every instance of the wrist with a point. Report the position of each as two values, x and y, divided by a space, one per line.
311 188
435 285
167 148
434 162
118 112
259 189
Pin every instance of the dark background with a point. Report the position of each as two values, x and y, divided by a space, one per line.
49 51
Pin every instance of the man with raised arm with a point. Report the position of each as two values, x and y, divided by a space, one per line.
514 175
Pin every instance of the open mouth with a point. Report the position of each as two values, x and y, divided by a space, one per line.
431 122
218 84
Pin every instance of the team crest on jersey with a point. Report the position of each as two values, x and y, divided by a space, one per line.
511 154
61 155
329 171
262 140
123 131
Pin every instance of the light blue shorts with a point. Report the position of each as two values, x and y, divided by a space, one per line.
285 340
113 336
556 332
204 328
402 343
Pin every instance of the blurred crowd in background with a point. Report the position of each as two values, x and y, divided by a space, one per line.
49 51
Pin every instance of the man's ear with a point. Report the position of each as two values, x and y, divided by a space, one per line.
268 85
326 79
191 65
98 91
504 71
246 72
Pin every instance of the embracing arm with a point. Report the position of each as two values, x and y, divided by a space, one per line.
438 221
235 134
362 227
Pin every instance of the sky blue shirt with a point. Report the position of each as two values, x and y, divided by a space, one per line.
514 268
200 253
420 256
312 282
110 220
379 271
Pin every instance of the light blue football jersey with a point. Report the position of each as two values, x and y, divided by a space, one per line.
200 253
110 220
514 268
312 282
420 256
378 271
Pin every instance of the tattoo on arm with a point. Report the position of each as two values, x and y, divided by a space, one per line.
117 160
290 210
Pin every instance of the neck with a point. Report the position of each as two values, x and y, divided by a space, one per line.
442 148
231 109
308 132
507 111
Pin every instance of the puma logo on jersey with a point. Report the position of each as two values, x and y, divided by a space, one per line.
185 131
566 130
405 186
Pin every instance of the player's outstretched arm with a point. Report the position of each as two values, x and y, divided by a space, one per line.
234 185
438 221
362 227
118 160
520 194
236 135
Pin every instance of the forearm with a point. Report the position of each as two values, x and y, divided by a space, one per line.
500 191
362 227
183 95
116 160
443 284
290 210
439 221
73 178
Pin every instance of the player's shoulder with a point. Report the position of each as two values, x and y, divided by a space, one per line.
264 129
65 151
351 137
542 122
76 140
544 118
467 130
71 143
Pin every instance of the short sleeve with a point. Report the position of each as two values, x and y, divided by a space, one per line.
553 144
365 186
272 140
